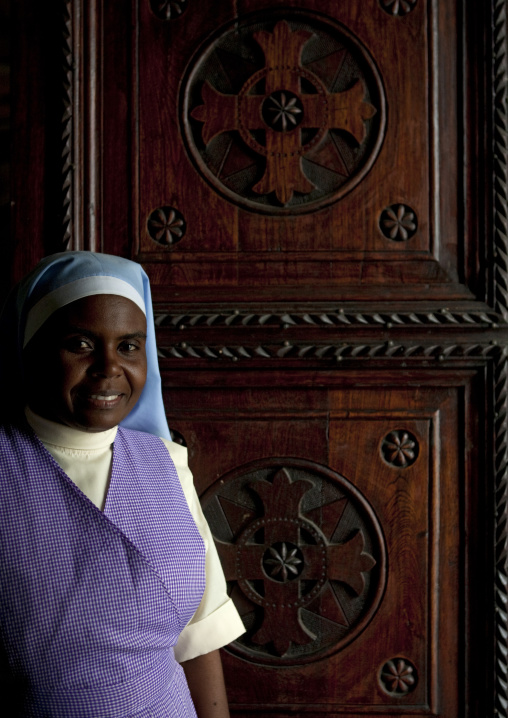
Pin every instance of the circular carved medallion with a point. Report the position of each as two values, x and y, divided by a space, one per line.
283 112
303 554
398 222
397 7
400 448
166 226
168 9
398 677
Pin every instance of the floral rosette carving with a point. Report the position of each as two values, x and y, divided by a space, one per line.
399 448
398 222
166 226
398 677
397 7
169 10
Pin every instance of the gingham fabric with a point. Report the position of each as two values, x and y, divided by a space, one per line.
92 603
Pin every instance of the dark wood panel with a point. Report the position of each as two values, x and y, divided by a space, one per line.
211 231
309 335
410 452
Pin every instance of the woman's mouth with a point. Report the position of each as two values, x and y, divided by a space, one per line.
103 400
104 397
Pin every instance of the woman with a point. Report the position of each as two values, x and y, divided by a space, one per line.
109 575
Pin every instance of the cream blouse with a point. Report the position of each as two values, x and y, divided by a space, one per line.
86 457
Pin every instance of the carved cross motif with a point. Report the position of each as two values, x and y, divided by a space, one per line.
272 100
279 553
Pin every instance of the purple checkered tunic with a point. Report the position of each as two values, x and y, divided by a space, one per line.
92 603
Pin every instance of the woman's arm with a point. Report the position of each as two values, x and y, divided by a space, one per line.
206 684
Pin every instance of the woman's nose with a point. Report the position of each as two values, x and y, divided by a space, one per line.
106 363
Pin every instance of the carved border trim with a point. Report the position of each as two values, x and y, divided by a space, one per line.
67 125
340 317
501 534
500 250
500 156
73 123
337 351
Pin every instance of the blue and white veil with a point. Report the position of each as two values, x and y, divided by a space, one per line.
59 280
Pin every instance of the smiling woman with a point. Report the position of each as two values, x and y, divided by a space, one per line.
109 574
86 366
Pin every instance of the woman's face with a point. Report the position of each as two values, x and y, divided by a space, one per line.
86 366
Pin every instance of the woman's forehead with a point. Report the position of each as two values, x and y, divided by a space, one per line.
100 312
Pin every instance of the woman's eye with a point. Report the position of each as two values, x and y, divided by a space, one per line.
77 344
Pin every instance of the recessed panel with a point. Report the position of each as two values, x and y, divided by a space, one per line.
293 152
338 525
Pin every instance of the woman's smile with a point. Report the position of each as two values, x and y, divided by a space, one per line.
104 397
103 400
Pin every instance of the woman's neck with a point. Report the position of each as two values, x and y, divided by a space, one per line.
52 432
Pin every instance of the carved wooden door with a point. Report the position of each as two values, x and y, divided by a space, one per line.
310 187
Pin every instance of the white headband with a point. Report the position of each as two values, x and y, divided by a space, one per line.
80 288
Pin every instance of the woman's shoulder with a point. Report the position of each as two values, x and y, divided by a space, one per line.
147 441
177 452
179 456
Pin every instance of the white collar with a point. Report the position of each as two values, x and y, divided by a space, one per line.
50 432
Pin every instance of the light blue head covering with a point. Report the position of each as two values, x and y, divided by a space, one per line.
63 278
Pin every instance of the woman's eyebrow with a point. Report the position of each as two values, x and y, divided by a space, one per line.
134 335
74 329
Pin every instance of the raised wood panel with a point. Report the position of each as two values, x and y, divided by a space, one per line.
371 227
409 451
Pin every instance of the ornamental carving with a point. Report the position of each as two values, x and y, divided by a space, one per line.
283 113
70 71
398 222
500 151
166 226
398 677
303 554
168 9
329 318
397 7
418 354
400 448
177 437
